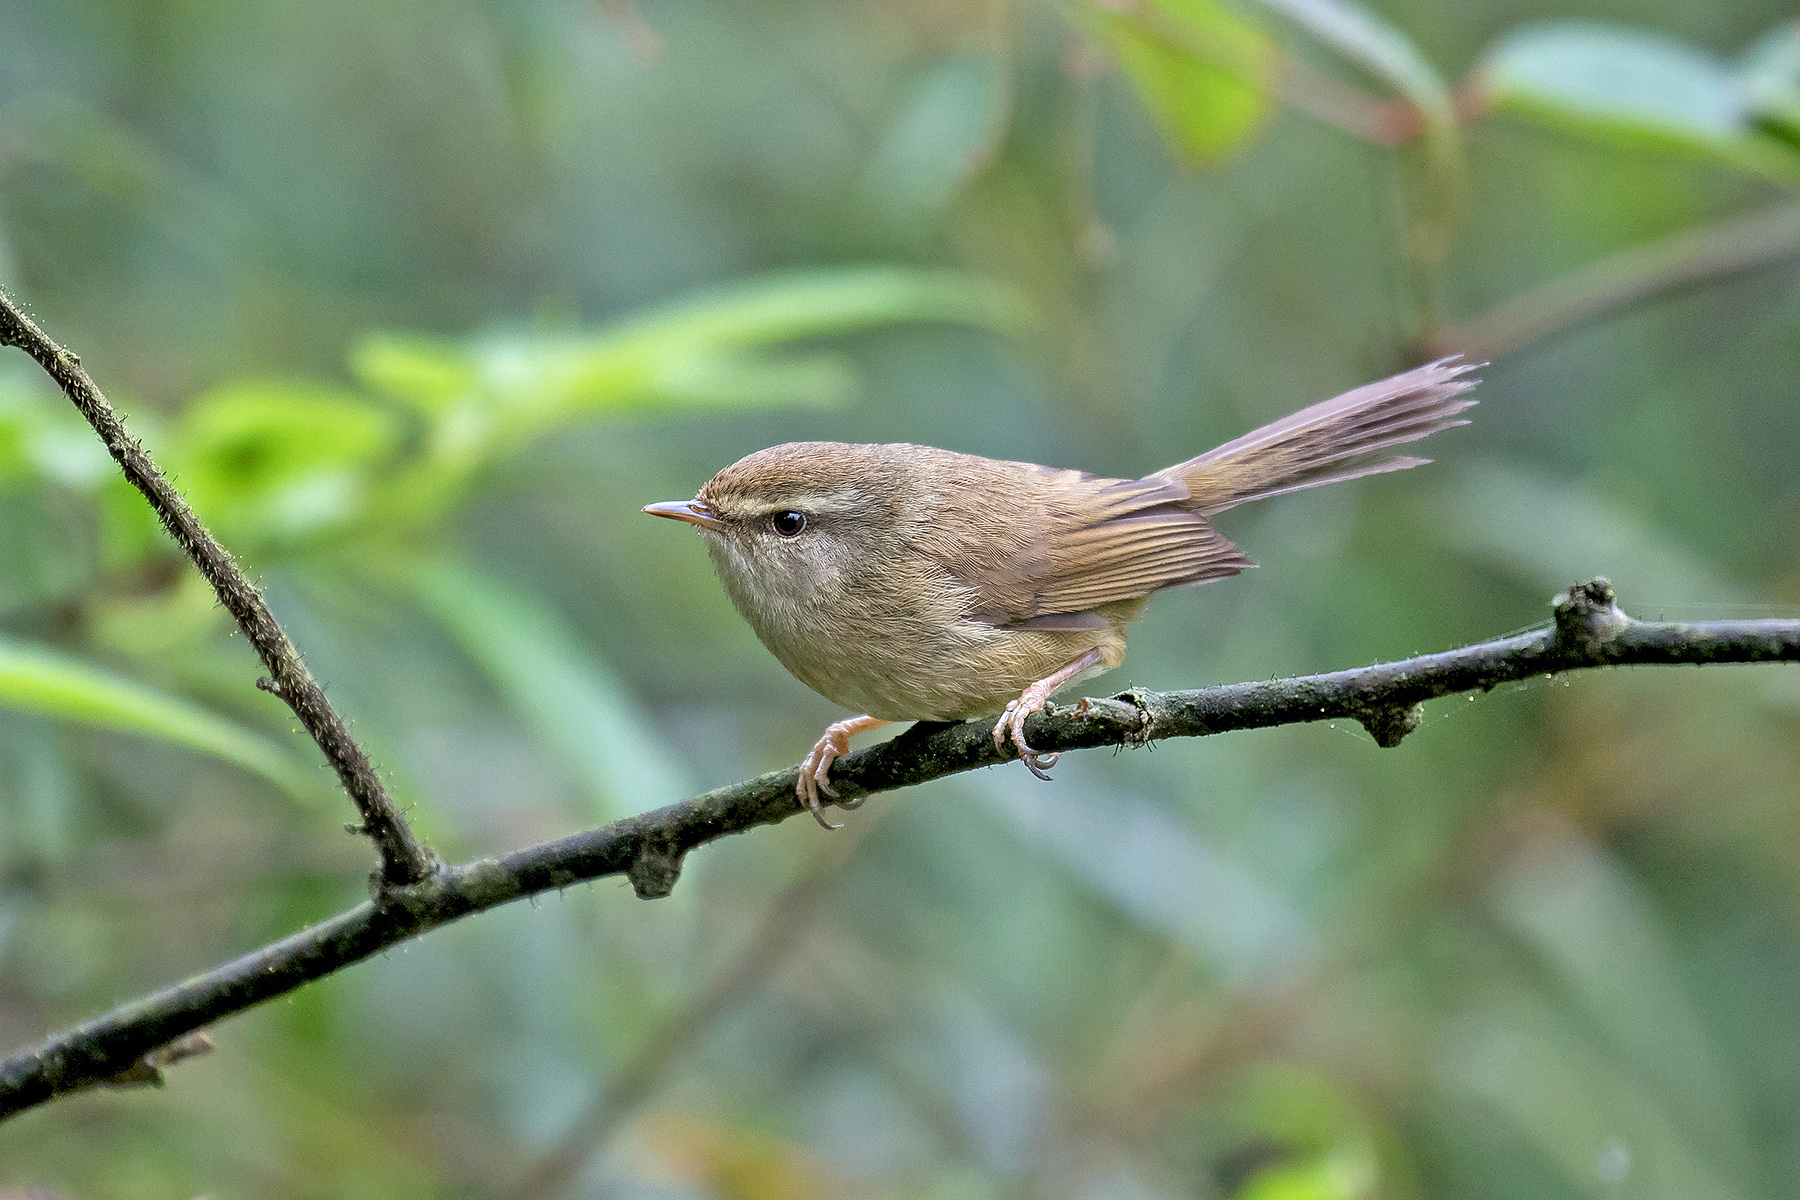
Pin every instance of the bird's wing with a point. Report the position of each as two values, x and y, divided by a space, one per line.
1096 541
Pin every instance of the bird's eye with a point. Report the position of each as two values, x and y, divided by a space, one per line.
788 524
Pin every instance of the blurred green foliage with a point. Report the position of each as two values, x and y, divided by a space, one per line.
419 301
1638 87
1203 69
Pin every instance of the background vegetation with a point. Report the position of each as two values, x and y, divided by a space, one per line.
421 300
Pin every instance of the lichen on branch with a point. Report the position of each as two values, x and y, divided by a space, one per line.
403 859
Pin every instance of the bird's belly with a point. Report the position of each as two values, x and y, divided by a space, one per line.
893 658
948 672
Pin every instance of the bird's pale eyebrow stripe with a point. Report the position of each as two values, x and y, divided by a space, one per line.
809 502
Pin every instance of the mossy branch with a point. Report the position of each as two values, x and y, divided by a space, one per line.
403 860
1588 630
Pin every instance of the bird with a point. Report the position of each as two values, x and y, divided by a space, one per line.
909 583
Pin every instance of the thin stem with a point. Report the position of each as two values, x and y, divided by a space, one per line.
1692 256
1385 54
1588 631
403 860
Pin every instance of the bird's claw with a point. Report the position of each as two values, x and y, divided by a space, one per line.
815 770
1011 727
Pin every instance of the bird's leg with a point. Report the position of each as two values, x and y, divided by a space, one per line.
814 771
1012 721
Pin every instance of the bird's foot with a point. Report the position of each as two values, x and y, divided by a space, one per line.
815 769
1011 727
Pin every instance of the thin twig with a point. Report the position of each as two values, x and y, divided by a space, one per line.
1589 631
1689 257
1386 55
403 860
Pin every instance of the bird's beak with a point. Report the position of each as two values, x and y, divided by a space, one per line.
691 511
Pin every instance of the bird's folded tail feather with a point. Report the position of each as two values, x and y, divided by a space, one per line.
1331 441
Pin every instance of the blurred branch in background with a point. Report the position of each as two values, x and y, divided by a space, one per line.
1383 52
1160 1059
403 859
1615 83
1589 631
45 681
1692 256
785 922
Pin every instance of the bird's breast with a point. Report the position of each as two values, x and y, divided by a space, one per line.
909 654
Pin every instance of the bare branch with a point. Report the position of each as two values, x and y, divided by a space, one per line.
1588 631
403 860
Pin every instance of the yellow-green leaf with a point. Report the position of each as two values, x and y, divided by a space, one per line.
51 683
1200 67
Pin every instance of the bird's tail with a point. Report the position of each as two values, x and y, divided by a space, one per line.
1331 441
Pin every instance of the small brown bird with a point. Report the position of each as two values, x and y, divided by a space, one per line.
909 583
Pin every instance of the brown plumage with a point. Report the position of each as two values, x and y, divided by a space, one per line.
912 583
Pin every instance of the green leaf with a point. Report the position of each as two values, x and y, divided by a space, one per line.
1635 88
42 437
653 360
1346 1174
1634 81
1377 47
18 420
945 131
804 304
1769 82
45 448
491 394
47 682
567 696
426 373
1202 70
279 458
737 379
1317 1137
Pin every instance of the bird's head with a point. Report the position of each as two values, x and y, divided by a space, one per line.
787 521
